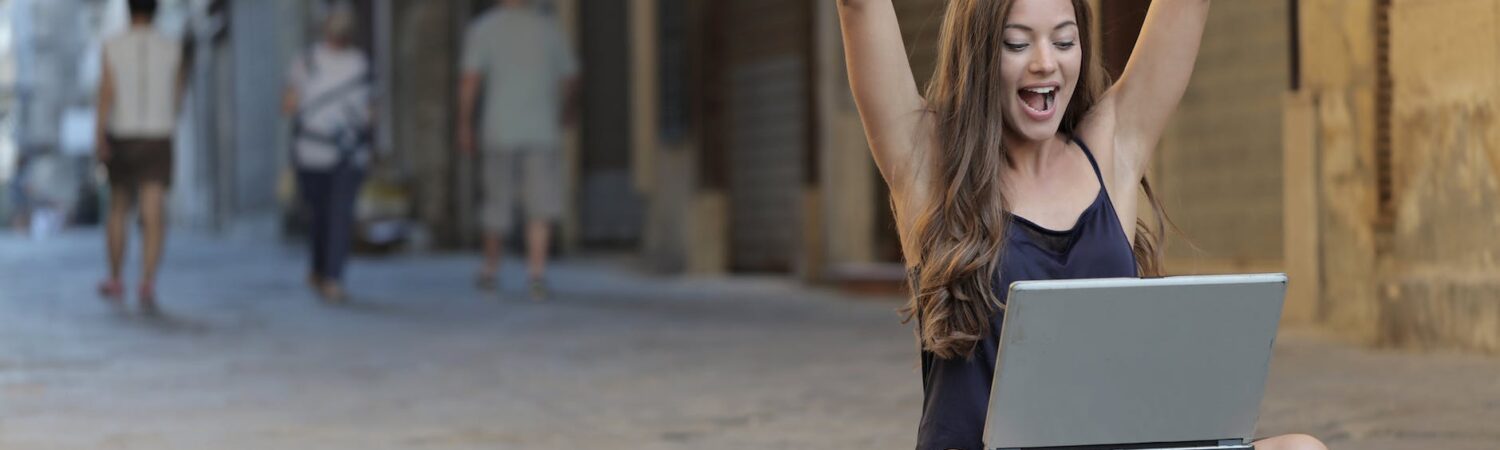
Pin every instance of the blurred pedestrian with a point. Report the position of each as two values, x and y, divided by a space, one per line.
140 91
526 69
328 97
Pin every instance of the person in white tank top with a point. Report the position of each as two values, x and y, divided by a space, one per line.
139 91
145 70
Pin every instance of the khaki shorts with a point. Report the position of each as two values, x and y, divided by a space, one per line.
529 175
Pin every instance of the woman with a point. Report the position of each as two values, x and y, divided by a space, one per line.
1019 163
328 97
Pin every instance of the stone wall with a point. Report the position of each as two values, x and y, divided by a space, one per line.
1440 286
1337 93
426 37
1418 270
1218 168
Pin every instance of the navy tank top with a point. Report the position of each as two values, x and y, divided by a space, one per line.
957 390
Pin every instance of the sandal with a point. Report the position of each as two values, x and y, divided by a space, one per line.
112 290
146 295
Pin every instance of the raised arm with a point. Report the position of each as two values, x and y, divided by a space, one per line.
884 90
1155 78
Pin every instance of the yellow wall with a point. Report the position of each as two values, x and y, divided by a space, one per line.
1442 276
1338 93
1218 168
1425 272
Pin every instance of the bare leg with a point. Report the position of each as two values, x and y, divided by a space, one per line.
116 234
488 279
538 235
115 228
153 231
492 252
1290 442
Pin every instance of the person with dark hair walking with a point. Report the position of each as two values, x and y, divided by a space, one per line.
328 96
140 90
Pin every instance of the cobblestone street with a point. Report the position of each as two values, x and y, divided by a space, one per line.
244 357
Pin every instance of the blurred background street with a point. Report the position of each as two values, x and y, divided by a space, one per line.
727 268
244 358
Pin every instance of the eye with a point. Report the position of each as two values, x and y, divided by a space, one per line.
1016 46
1064 45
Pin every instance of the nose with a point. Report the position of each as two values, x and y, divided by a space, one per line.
1043 62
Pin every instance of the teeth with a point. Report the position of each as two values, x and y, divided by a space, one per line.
1041 90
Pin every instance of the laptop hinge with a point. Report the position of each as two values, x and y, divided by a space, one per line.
1223 444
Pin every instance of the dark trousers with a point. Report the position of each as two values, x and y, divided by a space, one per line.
330 196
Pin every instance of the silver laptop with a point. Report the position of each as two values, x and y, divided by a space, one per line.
1167 363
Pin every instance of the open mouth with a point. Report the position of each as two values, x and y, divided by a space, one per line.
1040 100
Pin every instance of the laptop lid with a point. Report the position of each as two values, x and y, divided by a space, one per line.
1128 361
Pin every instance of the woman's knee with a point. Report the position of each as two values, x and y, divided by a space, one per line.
121 200
1291 442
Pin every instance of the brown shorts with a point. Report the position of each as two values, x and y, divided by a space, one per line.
136 162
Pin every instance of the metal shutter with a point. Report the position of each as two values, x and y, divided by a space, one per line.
769 116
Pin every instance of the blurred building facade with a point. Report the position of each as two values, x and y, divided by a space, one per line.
1394 140
46 66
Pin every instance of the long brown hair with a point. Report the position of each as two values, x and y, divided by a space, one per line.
958 238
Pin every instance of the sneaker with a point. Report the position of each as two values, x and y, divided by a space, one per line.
332 293
487 282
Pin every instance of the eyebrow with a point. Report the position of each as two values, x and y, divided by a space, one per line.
1026 28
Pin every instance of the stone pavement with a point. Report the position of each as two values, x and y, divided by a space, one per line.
245 358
